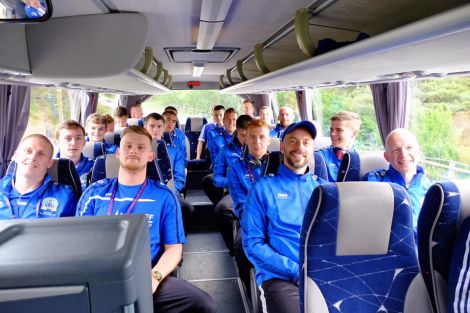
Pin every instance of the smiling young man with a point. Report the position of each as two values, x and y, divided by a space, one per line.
343 133
217 113
70 138
133 193
96 128
29 192
403 153
272 219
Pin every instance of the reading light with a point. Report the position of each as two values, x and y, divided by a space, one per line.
198 68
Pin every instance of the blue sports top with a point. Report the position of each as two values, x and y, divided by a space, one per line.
48 200
276 131
157 202
229 153
217 138
242 175
205 130
332 162
272 220
416 190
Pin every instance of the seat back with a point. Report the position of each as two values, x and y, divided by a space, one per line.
192 130
275 145
446 206
113 138
357 251
163 159
354 165
92 150
276 158
62 171
107 166
321 142
135 122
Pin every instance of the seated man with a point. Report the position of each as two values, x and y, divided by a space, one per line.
242 175
217 121
248 107
230 152
120 116
135 111
154 123
70 137
285 118
109 123
29 192
217 138
272 219
133 193
266 114
96 128
178 138
402 151
343 133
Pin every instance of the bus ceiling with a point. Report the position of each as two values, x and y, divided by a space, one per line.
156 47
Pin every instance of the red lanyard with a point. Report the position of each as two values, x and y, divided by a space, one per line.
133 203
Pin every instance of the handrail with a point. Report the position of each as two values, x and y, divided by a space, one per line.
240 70
259 59
302 33
148 60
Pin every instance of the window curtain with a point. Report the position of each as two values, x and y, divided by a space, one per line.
82 104
128 100
391 106
304 103
14 114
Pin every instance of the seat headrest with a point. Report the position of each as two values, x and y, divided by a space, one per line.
354 165
113 138
321 142
135 122
275 145
194 124
92 150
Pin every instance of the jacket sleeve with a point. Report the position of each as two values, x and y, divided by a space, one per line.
179 170
220 170
235 188
85 206
70 204
255 241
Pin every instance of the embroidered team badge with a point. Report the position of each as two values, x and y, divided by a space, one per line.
49 204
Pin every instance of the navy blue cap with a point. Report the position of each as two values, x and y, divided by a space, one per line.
307 125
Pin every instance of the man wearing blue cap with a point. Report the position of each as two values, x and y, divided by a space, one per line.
272 220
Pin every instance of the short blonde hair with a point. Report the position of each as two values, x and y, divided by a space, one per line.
139 130
353 117
96 118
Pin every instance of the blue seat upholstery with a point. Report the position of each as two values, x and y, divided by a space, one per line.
192 130
92 150
62 171
357 251
164 163
354 165
107 166
113 138
276 158
446 206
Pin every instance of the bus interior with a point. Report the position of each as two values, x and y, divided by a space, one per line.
139 49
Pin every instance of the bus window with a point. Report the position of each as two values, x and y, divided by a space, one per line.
49 107
192 103
287 98
355 99
439 115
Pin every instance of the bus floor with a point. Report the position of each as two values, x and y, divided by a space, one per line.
207 262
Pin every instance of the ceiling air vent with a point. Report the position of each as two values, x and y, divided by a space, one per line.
191 55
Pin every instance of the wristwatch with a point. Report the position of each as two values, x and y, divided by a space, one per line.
157 275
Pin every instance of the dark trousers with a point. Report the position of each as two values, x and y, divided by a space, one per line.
225 217
212 192
280 296
175 295
187 211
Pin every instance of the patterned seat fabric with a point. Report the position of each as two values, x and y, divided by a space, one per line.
445 207
358 251
192 130
355 165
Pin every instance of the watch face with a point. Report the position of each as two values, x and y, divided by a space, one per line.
157 275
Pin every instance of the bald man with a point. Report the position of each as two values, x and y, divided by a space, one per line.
403 153
29 192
